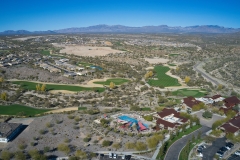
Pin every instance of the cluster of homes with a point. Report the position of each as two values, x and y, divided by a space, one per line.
233 125
69 69
229 102
9 60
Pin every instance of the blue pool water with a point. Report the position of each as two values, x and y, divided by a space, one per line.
129 119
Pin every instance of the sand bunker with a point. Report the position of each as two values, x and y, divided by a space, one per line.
86 50
156 60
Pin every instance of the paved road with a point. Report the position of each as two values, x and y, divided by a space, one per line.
175 149
210 151
195 67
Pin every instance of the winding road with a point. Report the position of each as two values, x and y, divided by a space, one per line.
175 148
209 78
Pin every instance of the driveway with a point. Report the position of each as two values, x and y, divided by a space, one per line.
176 147
206 122
210 151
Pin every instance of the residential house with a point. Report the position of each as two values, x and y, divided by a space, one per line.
169 119
189 102
232 126
230 102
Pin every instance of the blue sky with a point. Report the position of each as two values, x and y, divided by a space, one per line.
58 14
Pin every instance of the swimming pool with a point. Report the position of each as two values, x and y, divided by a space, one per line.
132 121
129 119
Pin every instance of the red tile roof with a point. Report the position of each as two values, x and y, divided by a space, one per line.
190 101
235 121
216 96
229 128
167 111
165 123
231 101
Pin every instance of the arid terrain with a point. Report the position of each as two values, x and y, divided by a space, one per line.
90 51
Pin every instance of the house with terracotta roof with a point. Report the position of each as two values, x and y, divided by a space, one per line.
169 119
230 102
189 102
232 126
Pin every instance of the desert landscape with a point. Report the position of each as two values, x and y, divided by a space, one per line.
80 50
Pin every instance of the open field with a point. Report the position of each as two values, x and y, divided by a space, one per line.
116 81
163 79
17 109
156 60
188 92
32 86
87 50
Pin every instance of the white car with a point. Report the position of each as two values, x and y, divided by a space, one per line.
114 156
237 153
110 155
200 155
123 156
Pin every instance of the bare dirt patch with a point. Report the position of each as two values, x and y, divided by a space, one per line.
63 110
156 60
86 50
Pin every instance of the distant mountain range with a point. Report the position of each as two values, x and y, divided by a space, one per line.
127 29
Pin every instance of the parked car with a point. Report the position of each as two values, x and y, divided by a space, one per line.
201 146
114 156
128 157
237 153
223 149
123 156
229 145
219 153
110 155
200 155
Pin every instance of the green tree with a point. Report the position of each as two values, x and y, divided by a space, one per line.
106 143
81 154
112 85
187 79
4 96
6 155
140 146
43 88
64 148
116 145
38 87
19 155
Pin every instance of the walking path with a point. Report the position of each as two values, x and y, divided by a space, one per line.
158 148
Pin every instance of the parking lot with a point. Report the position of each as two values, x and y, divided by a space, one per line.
210 151
234 157
106 157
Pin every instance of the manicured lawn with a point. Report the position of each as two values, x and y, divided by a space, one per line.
146 109
82 108
21 110
172 55
180 135
32 86
85 64
187 92
172 64
116 81
45 52
163 79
